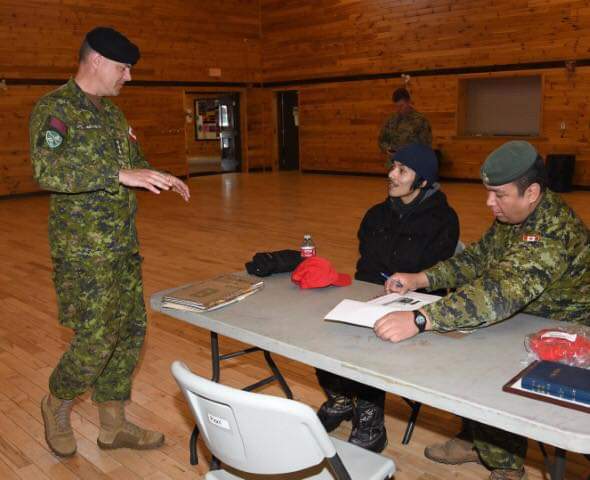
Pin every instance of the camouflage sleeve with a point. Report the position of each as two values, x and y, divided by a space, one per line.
424 132
462 268
60 165
384 139
504 289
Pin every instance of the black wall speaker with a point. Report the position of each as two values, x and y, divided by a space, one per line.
560 170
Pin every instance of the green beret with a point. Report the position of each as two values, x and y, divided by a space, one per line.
508 163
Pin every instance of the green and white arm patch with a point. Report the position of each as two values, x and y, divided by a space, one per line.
53 139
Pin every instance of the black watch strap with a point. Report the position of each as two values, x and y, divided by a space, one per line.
419 320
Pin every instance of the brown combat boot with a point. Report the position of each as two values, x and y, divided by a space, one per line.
117 432
508 474
58 430
452 452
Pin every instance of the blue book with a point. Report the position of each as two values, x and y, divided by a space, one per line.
559 380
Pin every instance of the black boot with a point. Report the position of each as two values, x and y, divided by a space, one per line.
335 410
368 426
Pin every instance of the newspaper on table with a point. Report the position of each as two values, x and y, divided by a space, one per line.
365 314
211 294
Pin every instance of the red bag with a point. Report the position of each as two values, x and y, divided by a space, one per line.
559 345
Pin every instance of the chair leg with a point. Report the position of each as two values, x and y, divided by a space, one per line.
415 406
192 446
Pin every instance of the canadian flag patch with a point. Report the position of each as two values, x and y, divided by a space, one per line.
132 135
531 237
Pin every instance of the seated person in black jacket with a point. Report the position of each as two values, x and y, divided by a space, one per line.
413 229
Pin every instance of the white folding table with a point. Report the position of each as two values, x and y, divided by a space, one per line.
463 376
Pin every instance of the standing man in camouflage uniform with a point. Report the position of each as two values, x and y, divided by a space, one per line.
535 259
86 154
405 126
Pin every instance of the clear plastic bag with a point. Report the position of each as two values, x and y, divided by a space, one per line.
569 345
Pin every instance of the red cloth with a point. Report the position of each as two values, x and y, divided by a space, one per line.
316 272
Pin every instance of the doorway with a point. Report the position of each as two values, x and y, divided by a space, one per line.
288 129
213 132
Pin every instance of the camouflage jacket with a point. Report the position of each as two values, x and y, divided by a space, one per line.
540 267
77 151
400 130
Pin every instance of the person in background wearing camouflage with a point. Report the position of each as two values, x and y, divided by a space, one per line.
535 258
405 126
86 154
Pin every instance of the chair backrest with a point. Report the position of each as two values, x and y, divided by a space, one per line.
252 432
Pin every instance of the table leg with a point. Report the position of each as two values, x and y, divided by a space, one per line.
415 406
215 357
278 375
555 468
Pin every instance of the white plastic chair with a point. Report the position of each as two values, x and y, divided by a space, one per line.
266 435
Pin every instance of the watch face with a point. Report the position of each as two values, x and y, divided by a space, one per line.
420 321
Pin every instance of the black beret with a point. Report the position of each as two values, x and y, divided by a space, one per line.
113 45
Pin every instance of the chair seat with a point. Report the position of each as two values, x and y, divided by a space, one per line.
361 465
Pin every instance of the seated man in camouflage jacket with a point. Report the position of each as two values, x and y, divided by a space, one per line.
533 259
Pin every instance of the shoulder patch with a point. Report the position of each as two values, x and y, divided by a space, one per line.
59 126
531 237
53 139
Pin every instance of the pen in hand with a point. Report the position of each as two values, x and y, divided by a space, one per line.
398 284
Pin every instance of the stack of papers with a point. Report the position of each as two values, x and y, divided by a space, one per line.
365 314
211 294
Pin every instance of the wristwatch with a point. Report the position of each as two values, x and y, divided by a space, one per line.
419 320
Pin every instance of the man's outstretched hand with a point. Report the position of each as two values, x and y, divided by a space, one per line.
154 181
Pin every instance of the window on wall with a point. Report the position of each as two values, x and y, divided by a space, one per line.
500 106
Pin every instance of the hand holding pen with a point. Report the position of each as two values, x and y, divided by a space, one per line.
404 282
396 282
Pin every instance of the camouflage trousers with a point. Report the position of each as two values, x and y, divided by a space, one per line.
102 301
498 448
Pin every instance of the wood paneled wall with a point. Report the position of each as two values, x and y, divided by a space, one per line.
305 39
248 41
157 116
15 167
179 40
339 123
261 129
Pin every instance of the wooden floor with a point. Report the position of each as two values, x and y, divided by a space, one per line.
229 218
